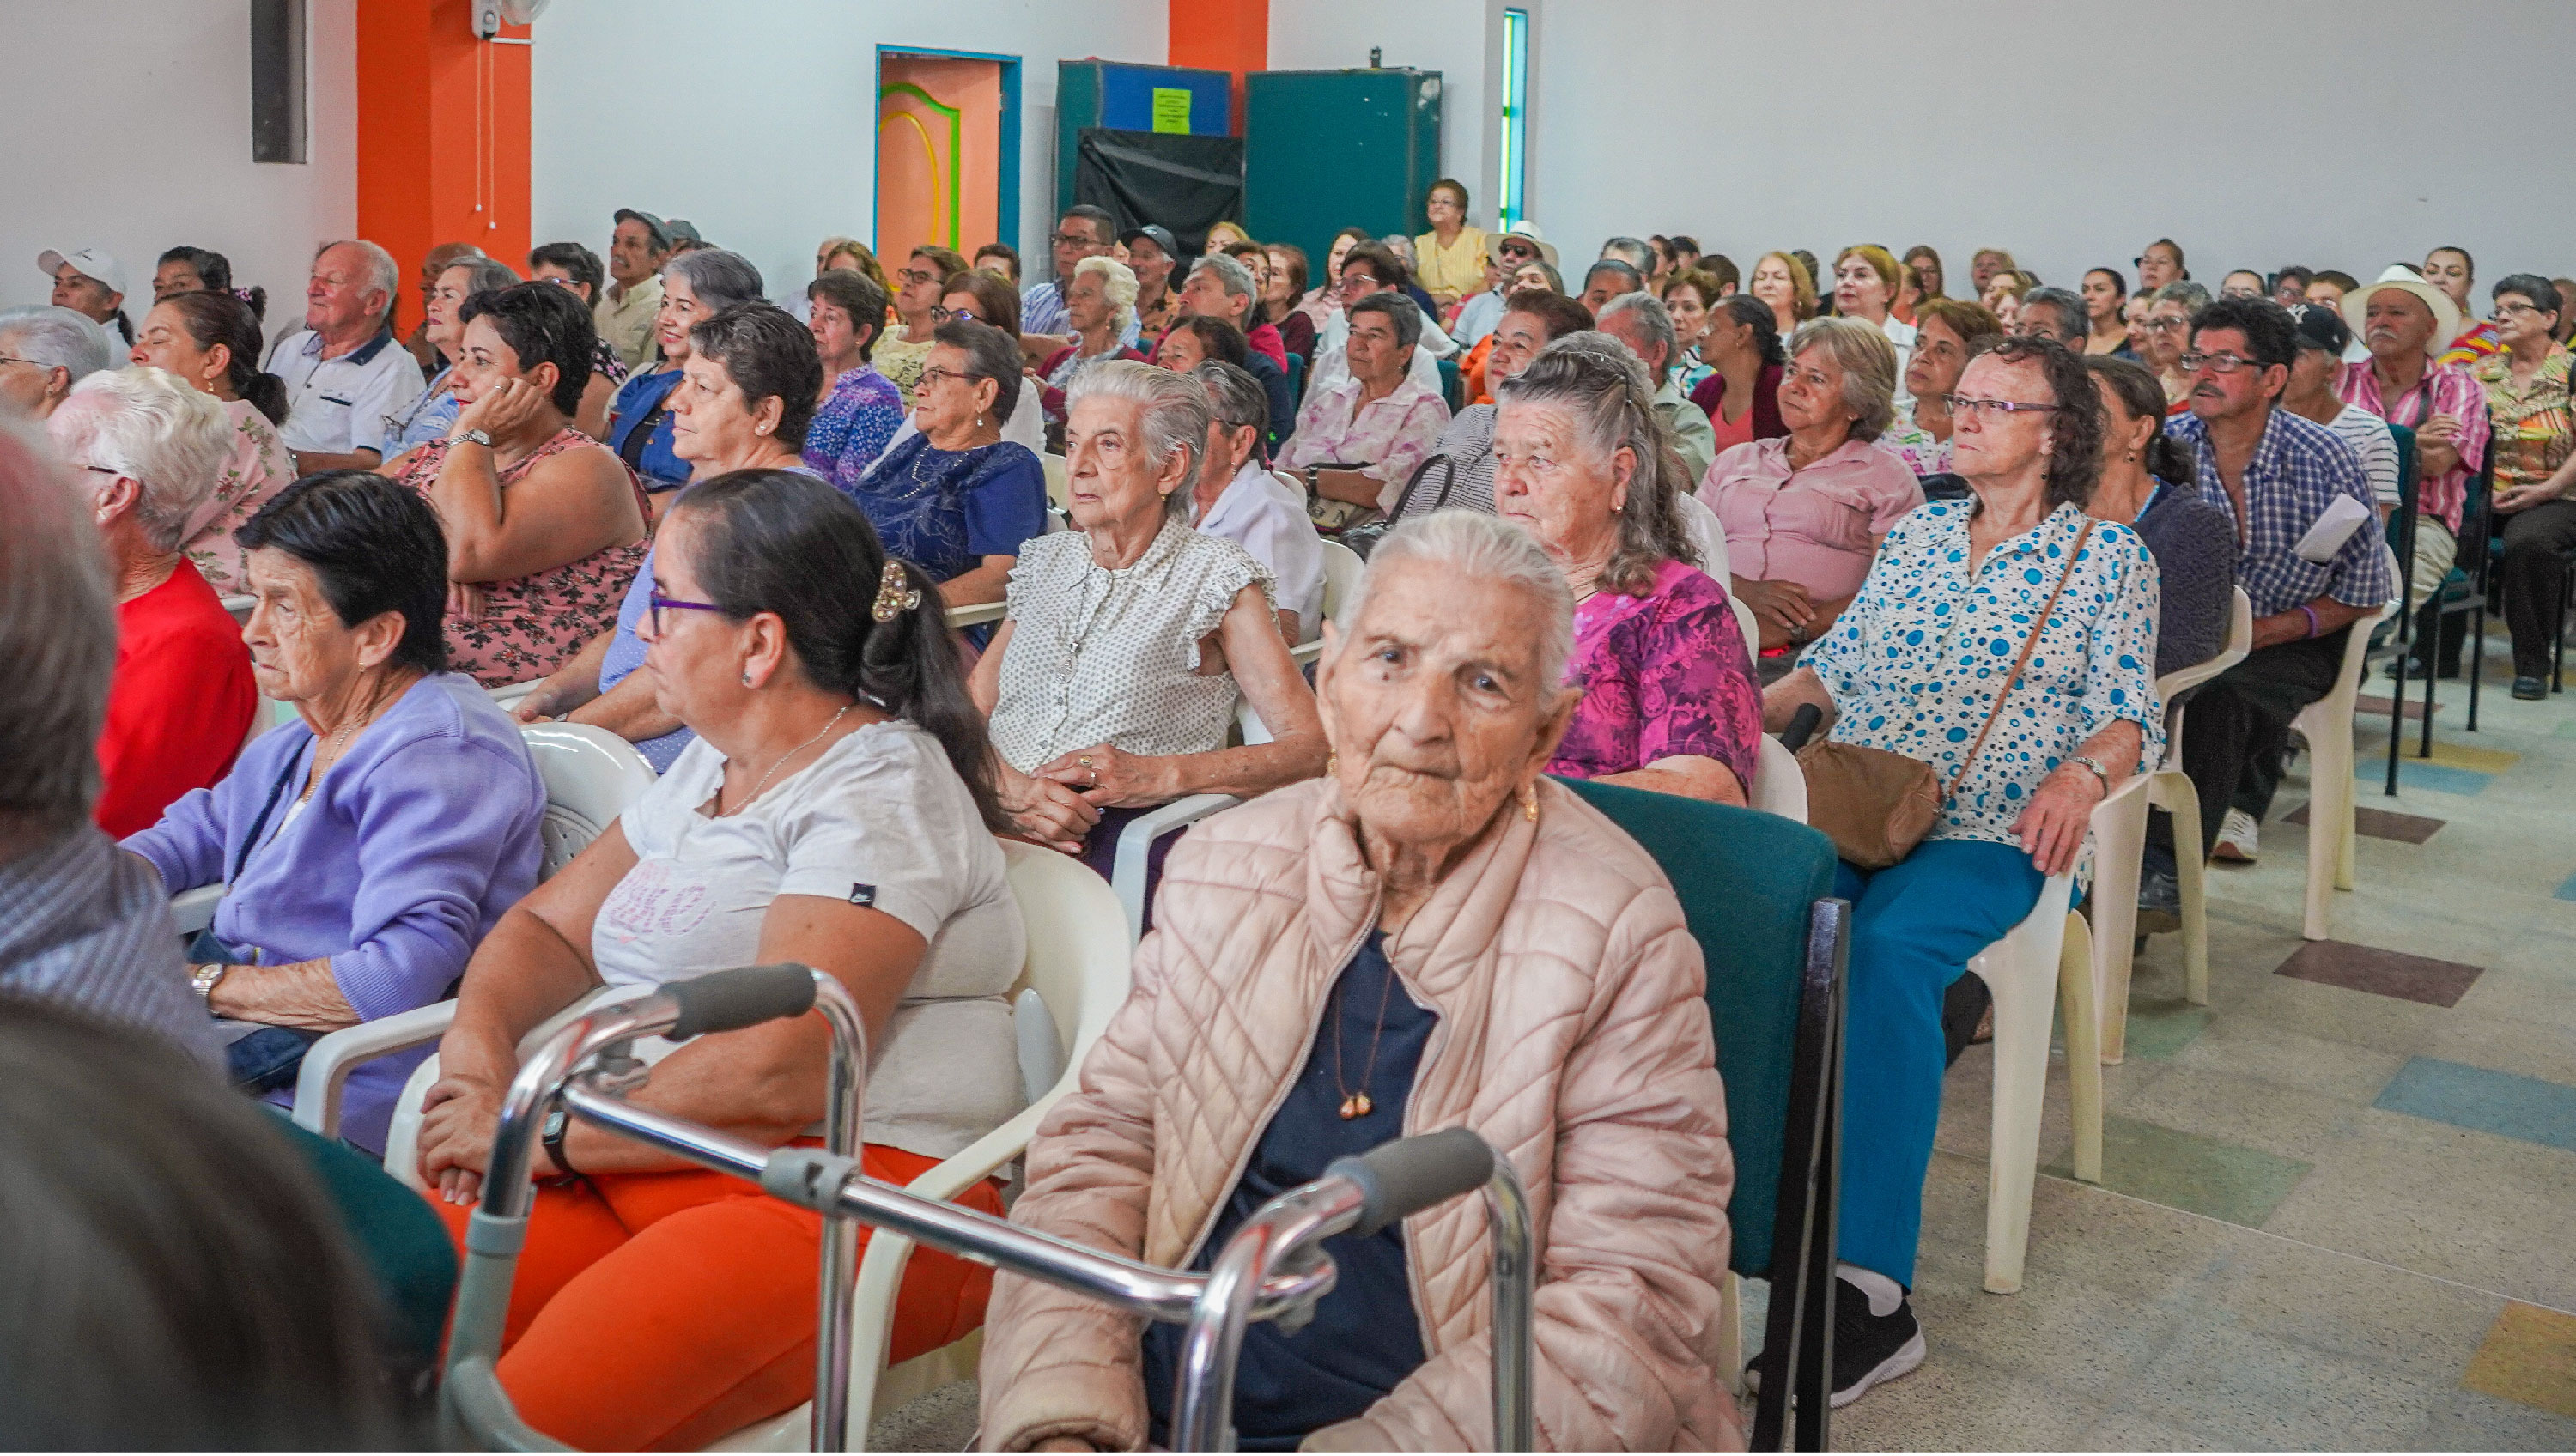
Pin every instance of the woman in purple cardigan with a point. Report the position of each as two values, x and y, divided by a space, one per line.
367 849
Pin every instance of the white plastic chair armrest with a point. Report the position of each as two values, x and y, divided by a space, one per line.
978 614
325 1072
194 910
1305 654
509 694
1127 874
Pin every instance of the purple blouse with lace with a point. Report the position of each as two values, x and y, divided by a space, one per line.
1662 675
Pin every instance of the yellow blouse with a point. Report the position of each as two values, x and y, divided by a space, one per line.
1458 268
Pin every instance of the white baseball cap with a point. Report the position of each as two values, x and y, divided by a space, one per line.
96 263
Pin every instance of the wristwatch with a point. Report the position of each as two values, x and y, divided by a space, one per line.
203 978
2094 766
558 1122
475 437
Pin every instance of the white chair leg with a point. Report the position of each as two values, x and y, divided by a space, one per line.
2075 983
2177 796
2119 849
2022 972
2344 846
2330 809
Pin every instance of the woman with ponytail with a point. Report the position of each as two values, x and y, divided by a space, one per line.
212 340
203 270
835 809
2147 486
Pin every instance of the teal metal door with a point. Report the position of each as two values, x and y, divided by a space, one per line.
1325 150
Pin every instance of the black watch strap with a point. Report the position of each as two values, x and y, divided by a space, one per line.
558 1123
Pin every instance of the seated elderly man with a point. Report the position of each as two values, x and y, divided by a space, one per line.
344 372
1361 433
1221 288
1640 321
1437 855
1238 498
368 846
81 926
148 450
2405 322
44 351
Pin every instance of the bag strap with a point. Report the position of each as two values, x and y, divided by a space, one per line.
2027 643
1404 500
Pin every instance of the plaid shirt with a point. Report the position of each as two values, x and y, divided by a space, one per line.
2445 389
2298 466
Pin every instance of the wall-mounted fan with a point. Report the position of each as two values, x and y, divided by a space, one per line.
491 15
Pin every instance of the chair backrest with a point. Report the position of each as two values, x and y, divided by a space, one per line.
1058 472
1748 884
1779 785
591 777
1077 957
240 607
1453 385
1343 569
2240 640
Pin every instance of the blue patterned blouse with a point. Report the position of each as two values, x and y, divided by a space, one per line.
946 510
851 429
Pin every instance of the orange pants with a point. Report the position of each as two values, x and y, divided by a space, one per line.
663 1311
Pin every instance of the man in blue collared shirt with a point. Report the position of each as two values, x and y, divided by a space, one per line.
1083 232
344 373
2275 474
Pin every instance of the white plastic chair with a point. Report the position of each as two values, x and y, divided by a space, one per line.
1059 474
2119 847
507 695
2045 960
1779 785
1076 977
2326 724
977 614
1136 841
240 607
591 776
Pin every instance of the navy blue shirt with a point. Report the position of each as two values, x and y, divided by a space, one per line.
1364 1339
644 397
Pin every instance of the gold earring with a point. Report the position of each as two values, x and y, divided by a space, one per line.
1529 803
1332 761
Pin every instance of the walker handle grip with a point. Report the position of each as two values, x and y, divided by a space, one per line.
744 996
1802 726
1404 1177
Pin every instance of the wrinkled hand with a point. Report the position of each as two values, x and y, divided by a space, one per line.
2052 828
458 1118
2522 496
501 408
1048 812
1109 779
2440 429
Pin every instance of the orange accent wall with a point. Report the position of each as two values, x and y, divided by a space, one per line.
1222 35
442 134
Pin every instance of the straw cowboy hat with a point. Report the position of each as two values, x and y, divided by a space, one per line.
2446 314
1527 232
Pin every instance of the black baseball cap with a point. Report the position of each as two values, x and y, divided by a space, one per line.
660 230
2320 327
1161 236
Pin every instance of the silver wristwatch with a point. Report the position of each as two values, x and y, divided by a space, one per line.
475 437
2094 766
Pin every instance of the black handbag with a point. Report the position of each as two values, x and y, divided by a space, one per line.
1363 536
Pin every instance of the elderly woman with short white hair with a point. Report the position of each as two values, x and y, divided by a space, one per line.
1551 1002
1100 309
147 450
1131 639
44 351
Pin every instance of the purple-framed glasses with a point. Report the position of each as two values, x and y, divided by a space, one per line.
656 602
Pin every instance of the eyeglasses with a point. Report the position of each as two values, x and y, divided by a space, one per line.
936 375
1073 240
1361 281
2218 363
943 314
30 363
655 602
2505 311
1517 250
1963 406
917 275
2163 326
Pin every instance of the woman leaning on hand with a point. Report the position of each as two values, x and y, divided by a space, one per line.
1924 655
660 1306
1113 682
1434 857
1583 465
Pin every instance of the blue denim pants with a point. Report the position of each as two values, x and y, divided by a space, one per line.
263 1060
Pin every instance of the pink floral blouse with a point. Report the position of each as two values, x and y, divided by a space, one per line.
529 625
1662 675
257 469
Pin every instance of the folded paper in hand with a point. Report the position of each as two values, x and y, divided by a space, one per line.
2334 526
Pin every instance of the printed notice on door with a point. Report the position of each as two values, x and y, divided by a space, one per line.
1171 109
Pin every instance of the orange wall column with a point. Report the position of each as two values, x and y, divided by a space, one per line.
442 133
1222 35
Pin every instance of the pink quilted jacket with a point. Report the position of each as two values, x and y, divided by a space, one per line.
1572 1035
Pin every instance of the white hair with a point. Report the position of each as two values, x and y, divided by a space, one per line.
1236 278
57 338
57 638
1173 414
1117 284
1473 546
383 273
1658 327
153 428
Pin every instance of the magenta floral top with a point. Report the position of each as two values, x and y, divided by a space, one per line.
1663 674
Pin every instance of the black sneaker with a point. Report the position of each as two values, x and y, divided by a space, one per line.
1870 1348
2530 689
2159 902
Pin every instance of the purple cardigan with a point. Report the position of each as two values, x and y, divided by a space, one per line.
407 855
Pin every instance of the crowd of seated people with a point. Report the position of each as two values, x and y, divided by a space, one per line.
741 559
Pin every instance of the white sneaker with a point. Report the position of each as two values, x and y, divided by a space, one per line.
2236 836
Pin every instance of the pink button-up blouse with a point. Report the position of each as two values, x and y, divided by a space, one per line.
1817 527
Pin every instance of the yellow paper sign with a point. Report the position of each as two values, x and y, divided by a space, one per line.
1171 109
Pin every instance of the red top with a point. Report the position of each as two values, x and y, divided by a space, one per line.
181 703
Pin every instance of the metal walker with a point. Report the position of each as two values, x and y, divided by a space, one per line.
1273 1268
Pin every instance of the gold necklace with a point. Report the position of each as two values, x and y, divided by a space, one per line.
781 759
1356 1104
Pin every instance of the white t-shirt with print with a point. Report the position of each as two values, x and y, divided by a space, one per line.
882 820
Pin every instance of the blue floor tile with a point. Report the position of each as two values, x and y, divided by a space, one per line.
2414 773
2483 1101
2566 891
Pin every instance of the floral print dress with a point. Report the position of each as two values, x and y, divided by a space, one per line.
1663 675
529 625
257 469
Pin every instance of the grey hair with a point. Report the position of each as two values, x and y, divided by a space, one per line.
1868 363
2192 296
151 427
1236 278
1632 251
57 338
57 640
1173 413
1117 284
484 275
383 273
1658 322
1402 314
1600 380
1474 546
1237 398
2074 320
719 277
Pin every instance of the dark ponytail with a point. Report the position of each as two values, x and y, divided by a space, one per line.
220 318
2171 460
2142 398
782 541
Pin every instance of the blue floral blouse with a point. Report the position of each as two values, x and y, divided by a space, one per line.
852 428
1916 660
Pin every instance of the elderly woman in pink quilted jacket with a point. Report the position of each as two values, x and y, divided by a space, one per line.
1432 935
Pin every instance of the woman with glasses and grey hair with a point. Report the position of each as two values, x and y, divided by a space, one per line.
1131 639
44 351
695 285
955 498
1238 498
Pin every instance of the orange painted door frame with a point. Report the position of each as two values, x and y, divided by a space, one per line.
442 133
1222 35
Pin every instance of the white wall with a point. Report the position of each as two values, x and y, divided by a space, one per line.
130 130
756 120
2256 134
1458 38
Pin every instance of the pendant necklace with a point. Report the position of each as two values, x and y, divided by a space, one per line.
1356 1104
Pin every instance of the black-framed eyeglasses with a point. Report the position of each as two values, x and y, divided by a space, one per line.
2505 311
936 375
655 602
942 313
1516 250
917 275
1962 406
1072 240
30 363
2196 361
